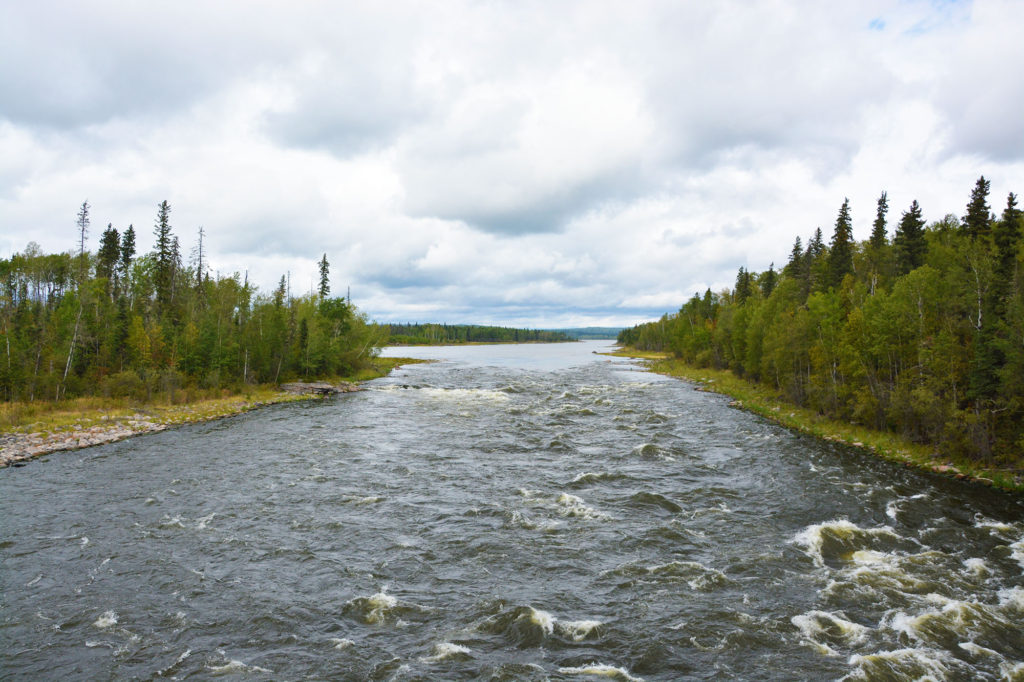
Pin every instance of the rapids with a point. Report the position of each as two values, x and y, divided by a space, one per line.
528 512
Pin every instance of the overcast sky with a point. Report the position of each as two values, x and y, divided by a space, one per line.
520 163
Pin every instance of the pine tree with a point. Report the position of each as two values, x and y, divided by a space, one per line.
325 278
978 219
878 238
840 258
909 240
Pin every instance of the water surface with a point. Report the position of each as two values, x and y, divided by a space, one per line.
510 512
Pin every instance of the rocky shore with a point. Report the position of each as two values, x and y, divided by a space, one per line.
15 448
19 446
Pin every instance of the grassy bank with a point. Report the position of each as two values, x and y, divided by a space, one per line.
764 402
180 406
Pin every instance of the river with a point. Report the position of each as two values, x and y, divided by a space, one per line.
534 512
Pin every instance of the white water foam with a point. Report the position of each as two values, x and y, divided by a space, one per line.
915 664
832 626
574 506
446 650
106 620
232 667
342 644
976 567
203 522
578 630
812 538
600 670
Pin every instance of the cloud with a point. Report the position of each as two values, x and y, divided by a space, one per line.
522 162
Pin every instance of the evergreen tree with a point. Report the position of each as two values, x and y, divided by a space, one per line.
325 278
82 222
199 257
840 257
768 281
743 286
978 220
878 238
795 265
909 240
164 254
107 258
127 251
816 264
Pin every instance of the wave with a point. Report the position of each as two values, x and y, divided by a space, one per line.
108 619
600 670
588 478
529 626
376 609
447 651
645 499
696 575
840 540
903 664
822 629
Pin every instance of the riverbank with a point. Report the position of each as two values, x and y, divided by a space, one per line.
29 430
765 403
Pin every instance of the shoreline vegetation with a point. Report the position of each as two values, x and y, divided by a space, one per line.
30 430
916 332
765 403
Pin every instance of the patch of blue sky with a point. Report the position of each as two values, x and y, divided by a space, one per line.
938 14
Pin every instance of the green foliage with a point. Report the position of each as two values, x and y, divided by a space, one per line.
134 327
932 350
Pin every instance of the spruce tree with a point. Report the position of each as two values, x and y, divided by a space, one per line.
82 222
840 258
164 252
325 278
794 267
107 258
909 240
978 219
127 255
743 289
768 281
878 239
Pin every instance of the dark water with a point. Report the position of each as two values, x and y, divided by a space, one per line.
528 512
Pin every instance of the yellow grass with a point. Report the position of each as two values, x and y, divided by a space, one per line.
180 407
764 402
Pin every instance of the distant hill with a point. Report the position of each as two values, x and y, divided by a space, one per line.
590 333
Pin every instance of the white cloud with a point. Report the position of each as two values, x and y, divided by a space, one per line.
527 162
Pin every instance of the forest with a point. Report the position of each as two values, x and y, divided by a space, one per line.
117 323
920 333
430 334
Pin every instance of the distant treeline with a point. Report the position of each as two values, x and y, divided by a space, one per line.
591 333
118 323
428 334
921 334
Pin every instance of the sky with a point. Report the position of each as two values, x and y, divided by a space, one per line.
524 163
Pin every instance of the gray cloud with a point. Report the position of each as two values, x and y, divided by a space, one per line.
501 161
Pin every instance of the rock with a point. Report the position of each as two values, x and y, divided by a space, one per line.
319 387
